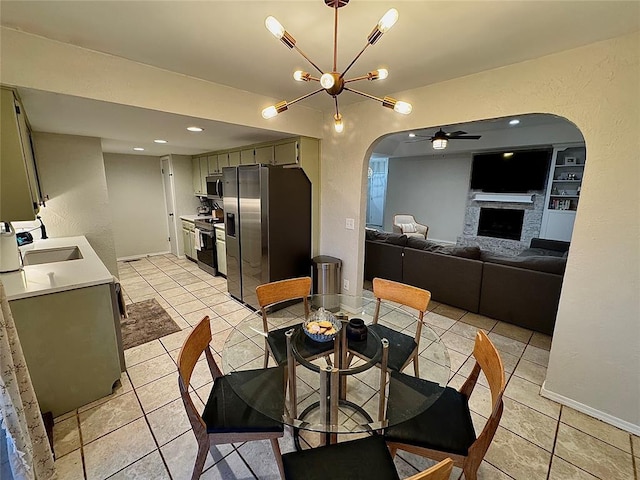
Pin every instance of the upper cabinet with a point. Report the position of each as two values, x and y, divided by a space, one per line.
247 157
264 155
20 194
197 179
563 192
286 153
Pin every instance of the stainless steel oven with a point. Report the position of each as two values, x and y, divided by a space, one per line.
206 255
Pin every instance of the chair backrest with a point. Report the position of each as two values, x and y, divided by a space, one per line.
440 471
275 292
194 345
403 294
488 358
403 218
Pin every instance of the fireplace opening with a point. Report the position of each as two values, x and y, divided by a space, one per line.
500 223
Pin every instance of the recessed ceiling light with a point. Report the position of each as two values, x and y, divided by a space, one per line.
515 121
411 135
507 154
195 129
160 141
138 149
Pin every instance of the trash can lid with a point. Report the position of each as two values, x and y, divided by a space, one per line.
326 259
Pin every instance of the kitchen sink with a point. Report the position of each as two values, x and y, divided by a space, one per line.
51 255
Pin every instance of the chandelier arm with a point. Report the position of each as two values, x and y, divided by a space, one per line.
355 79
308 59
305 96
364 94
335 38
354 60
335 98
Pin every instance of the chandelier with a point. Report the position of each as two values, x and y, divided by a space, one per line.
334 82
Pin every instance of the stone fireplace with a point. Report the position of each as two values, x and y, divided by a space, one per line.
519 217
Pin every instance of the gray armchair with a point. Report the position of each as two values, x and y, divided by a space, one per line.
407 225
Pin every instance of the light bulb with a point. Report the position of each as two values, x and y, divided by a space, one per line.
403 107
338 125
515 121
412 135
269 112
327 81
439 143
275 27
382 73
388 20
298 75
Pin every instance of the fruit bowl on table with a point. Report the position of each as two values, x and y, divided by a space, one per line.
321 326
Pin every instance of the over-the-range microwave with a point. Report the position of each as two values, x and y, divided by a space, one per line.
214 187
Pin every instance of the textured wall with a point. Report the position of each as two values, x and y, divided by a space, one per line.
71 172
596 345
136 199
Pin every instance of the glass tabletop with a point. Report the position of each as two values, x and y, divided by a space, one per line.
343 385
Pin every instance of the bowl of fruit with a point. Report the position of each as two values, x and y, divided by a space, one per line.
321 326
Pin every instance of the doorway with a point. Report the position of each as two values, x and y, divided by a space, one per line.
167 180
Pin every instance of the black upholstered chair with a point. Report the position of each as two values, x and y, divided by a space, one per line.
367 458
403 349
445 429
270 294
227 418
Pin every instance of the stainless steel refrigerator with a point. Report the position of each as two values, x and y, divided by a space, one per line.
268 227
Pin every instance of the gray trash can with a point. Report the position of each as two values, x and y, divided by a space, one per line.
326 274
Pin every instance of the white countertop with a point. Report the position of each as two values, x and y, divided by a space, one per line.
191 218
33 280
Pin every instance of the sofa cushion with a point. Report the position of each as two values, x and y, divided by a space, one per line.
546 264
396 239
472 252
541 252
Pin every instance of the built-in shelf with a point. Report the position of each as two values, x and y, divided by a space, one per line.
504 197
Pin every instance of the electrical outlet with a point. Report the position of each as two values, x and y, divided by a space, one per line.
351 224
345 284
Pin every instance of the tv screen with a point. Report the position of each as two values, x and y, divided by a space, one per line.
511 172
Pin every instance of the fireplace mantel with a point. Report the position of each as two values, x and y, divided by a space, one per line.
504 197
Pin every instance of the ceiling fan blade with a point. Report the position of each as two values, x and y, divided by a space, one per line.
466 137
455 134
415 141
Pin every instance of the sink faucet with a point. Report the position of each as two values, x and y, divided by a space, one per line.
43 229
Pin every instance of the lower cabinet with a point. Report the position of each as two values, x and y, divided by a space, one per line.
188 239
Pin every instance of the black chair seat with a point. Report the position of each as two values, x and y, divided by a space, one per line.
227 412
308 348
363 459
400 346
445 426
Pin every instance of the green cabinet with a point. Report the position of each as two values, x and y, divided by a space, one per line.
188 239
20 195
247 157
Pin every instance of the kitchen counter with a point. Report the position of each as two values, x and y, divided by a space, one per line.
34 280
192 218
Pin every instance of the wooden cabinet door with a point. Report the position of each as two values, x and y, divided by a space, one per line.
286 153
264 155
204 172
234 159
197 181
247 157
223 161
186 242
212 164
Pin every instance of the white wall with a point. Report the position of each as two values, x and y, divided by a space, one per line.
71 172
595 356
433 189
136 201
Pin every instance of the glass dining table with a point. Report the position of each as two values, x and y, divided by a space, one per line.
340 386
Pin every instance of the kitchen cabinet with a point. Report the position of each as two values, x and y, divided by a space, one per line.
221 250
286 153
189 239
222 161
212 164
197 179
563 192
247 157
264 155
234 159
20 194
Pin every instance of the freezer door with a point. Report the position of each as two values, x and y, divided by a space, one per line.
232 229
251 229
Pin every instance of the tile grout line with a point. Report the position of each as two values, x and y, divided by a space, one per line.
555 441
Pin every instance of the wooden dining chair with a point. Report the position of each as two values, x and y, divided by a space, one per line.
270 294
227 418
366 458
445 429
403 349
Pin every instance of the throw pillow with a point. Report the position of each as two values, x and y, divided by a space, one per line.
408 227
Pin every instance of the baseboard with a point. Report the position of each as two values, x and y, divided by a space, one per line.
592 412
138 257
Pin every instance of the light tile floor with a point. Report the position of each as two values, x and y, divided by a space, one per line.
141 430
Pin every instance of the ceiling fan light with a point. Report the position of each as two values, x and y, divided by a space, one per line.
327 81
439 143
403 107
338 125
388 20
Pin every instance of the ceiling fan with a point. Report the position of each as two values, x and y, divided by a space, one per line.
441 138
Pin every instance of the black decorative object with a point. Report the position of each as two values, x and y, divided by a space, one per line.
357 330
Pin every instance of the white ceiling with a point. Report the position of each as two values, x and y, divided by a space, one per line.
226 42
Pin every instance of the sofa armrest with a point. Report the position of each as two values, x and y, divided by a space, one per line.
556 245
527 298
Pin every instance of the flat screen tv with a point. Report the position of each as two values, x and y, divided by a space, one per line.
511 172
